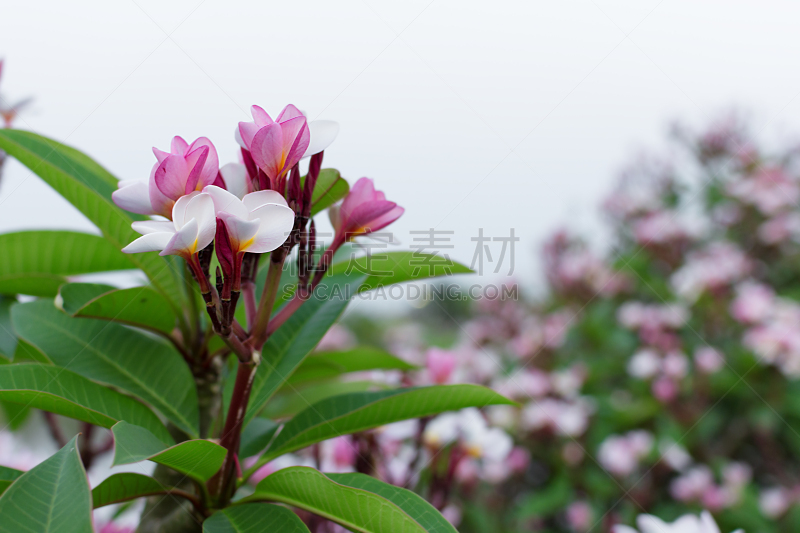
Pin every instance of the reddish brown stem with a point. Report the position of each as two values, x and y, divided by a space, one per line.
221 484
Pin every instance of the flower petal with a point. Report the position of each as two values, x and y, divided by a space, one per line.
178 146
260 117
276 222
240 232
179 217
201 209
254 200
211 166
267 149
134 197
171 177
322 133
183 242
195 161
153 226
226 202
295 140
236 179
289 112
152 242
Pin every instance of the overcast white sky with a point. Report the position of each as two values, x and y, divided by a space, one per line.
470 114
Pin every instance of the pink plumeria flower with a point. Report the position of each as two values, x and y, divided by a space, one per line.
364 210
185 169
275 145
258 223
192 228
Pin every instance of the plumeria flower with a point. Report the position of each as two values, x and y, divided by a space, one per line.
258 223
686 524
192 228
185 169
363 211
275 145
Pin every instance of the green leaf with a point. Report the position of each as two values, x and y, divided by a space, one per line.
256 436
110 353
88 187
138 306
388 268
414 505
359 411
329 364
254 518
123 487
292 399
356 509
329 189
52 497
289 345
199 459
35 262
8 339
62 392
7 477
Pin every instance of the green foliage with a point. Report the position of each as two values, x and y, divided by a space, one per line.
36 262
114 355
254 517
415 506
198 459
63 392
291 343
52 497
7 477
358 411
330 364
123 487
384 269
88 187
138 306
354 508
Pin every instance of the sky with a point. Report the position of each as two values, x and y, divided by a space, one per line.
472 115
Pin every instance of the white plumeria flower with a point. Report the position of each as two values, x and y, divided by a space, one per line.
686 524
237 182
258 223
481 441
192 228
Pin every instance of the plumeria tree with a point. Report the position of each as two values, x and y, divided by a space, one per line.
184 369
657 378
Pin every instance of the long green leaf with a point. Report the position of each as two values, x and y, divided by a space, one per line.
88 187
198 459
254 518
52 497
329 364
8 339
256 436
356 509
413 504
62 392
384 269
330 188
35 262
124 487
292 399
295 339
359 411
7 477
148 368
138 306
